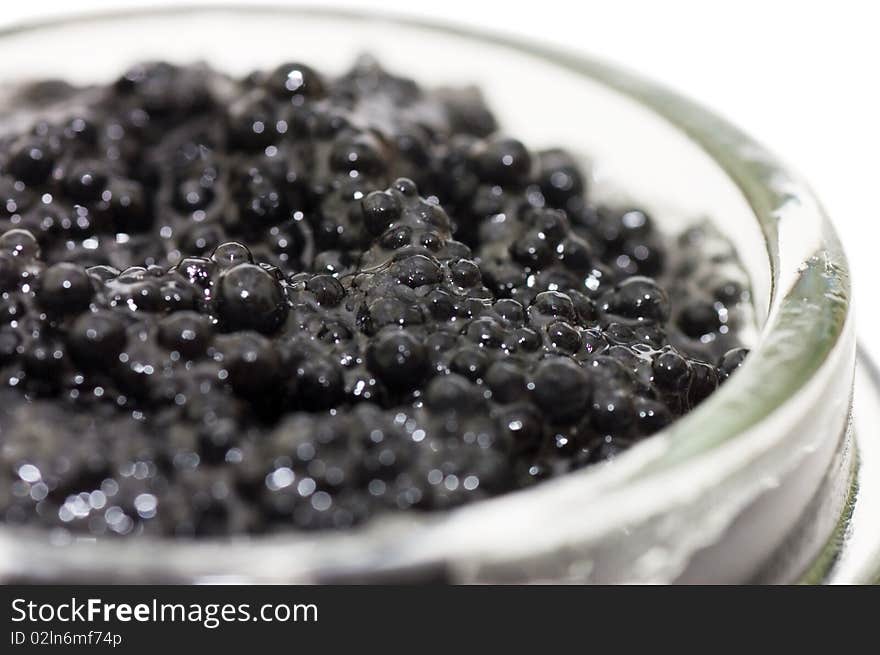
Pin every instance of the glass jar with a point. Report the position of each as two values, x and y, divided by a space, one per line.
754 485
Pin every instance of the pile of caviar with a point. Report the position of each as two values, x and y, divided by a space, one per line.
295 301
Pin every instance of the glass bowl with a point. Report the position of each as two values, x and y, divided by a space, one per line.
752 486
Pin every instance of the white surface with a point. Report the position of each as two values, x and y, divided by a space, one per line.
803 77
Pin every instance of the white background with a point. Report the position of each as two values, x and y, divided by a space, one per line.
803 77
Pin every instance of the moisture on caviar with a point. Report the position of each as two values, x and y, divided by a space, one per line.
298 301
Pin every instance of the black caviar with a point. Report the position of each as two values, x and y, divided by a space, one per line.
296 301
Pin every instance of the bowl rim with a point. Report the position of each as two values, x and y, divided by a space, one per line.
816 307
